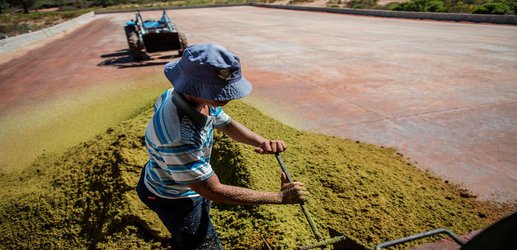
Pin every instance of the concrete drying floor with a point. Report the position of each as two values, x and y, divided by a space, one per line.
444 94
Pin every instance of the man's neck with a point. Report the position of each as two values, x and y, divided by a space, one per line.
194 103
197 115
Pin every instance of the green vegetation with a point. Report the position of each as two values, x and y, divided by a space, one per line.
361 4
497 7
12 24
165 4
354 4
27 5
85 197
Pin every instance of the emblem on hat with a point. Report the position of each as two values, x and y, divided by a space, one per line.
224 74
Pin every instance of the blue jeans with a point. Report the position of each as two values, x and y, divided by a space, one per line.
188 219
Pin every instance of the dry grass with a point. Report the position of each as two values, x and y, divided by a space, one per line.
13 24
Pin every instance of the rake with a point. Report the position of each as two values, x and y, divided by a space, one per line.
338 241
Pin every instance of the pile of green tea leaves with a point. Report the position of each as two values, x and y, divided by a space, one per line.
85 198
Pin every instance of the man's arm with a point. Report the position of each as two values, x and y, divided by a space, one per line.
241 133
212 189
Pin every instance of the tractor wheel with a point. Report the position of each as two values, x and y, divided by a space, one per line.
183 43
135 49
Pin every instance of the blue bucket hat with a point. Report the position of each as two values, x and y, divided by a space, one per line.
208 71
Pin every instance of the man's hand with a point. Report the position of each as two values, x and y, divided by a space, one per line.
292 192
243 134
271 147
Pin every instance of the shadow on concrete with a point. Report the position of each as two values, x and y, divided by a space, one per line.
122 59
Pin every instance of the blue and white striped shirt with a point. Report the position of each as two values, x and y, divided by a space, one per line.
179 146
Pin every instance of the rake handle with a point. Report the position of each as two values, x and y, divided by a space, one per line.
305 210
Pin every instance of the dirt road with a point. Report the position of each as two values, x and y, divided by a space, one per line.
444 94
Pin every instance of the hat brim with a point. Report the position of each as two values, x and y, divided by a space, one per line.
231 90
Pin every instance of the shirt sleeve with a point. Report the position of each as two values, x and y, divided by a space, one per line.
186 162
221 118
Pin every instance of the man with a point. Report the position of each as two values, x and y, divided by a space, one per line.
178 182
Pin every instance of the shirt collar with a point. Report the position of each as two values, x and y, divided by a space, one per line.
179 100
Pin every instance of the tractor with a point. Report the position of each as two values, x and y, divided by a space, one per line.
152 36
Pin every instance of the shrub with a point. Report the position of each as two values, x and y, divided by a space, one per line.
68 8
407 6
494 9
392 6
45 4
71 14
4 5
466 6
7 30
512 5
106 3
498 7
435 6
361 4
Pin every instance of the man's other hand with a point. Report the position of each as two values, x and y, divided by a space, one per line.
271 147
292 192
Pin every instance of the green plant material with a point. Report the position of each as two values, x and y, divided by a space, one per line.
85 197
332 5
296 2
507 7
13 29
144 4
368 193
421 5
13 24
24 4
495 8
513 5
82 199
106 3
361 4
434 6
61 122
405 6
46 4
460 7
392 6
4 5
